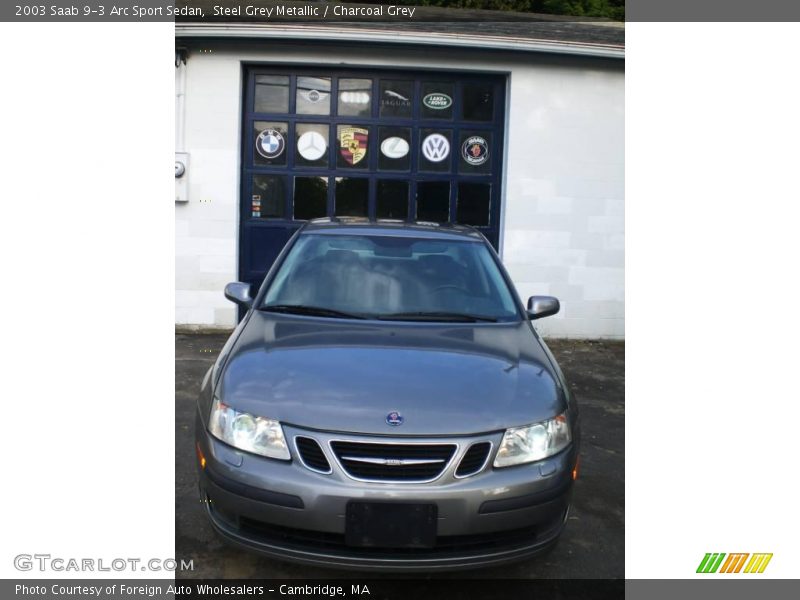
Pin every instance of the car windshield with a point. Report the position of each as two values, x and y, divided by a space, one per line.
392 278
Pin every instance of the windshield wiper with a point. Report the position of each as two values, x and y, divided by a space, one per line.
436 316
316 311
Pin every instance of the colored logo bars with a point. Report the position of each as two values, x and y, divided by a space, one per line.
733 563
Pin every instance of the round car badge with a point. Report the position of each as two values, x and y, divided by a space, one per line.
435 147
394 418
270 143
394 147
475 150
311 145
313 96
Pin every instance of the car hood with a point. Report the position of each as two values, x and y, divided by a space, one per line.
347 376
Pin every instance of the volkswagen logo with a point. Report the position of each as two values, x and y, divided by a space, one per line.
435 147
394 418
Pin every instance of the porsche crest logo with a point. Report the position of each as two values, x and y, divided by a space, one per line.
353 144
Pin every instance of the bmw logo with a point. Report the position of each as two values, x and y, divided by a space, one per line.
270 143
394 418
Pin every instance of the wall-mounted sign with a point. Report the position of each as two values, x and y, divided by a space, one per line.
311 145
394 147
475 150
353 144
437 101
270 143
435 147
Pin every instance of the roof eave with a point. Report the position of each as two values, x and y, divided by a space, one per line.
450 40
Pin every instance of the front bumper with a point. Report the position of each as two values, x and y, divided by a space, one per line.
286 511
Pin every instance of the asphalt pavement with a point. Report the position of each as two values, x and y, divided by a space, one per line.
593 543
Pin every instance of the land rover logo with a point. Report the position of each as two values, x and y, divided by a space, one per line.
437 101
394 418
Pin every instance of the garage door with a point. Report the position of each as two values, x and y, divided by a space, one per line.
423 146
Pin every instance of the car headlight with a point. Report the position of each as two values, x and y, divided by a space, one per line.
242 430
533 442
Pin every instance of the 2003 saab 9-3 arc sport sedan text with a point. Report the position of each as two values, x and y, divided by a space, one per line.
385 403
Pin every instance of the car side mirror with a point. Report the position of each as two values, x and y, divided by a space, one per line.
542 306
239 293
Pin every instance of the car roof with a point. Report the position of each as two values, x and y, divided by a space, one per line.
393 228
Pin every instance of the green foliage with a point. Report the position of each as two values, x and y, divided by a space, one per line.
610 9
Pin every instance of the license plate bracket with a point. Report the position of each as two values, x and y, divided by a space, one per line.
391 525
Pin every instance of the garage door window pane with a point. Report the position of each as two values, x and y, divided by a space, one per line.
311 145
396 98
473 204
392 199
355 97
437 100
268 200
313 96
270 140
310 198
433 201
352 196
271 94
394 148
478 102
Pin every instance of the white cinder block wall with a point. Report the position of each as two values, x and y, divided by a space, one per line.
564 209
563 216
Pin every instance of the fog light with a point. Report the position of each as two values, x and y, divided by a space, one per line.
200 458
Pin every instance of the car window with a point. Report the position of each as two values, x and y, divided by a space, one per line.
380 276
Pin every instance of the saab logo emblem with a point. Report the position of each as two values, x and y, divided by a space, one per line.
713 563
353 144
311 145
394 418
475 150
437 101
394 147
435 147
270 143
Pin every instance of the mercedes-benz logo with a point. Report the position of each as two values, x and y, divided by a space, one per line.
311 145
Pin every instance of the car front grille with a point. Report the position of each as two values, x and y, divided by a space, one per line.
311 454
474 459
377 461
445 545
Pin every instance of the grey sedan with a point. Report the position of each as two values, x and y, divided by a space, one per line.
385 403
